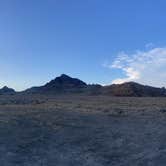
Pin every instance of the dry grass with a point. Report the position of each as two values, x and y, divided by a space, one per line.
82 131
92 104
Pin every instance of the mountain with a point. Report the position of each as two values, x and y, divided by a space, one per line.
133 89
62 84
6 90
65 84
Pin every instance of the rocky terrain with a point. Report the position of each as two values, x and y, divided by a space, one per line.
65 84
79 130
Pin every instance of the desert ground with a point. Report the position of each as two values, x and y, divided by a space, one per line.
82 130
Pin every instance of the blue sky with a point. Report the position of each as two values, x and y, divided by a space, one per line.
41 39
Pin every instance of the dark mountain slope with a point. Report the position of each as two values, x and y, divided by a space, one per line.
64 81
6 90
133 89
62 84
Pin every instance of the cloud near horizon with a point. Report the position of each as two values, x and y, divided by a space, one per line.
146 67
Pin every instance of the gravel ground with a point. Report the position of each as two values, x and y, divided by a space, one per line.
82 131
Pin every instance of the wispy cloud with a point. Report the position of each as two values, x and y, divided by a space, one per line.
149 45
147 67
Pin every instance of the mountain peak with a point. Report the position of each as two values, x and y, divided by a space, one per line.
6 90
5 87
66 80
64 76
64 83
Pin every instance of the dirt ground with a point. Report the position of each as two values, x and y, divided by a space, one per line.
82 131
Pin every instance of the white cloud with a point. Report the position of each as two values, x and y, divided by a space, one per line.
146 67
131 75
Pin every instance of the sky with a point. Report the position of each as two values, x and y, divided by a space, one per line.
98 41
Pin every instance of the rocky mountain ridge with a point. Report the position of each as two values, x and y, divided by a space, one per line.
65 84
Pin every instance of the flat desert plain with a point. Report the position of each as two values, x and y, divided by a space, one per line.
75 130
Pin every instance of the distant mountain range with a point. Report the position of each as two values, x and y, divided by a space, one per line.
65 84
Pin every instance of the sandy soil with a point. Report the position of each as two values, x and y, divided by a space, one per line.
82 131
